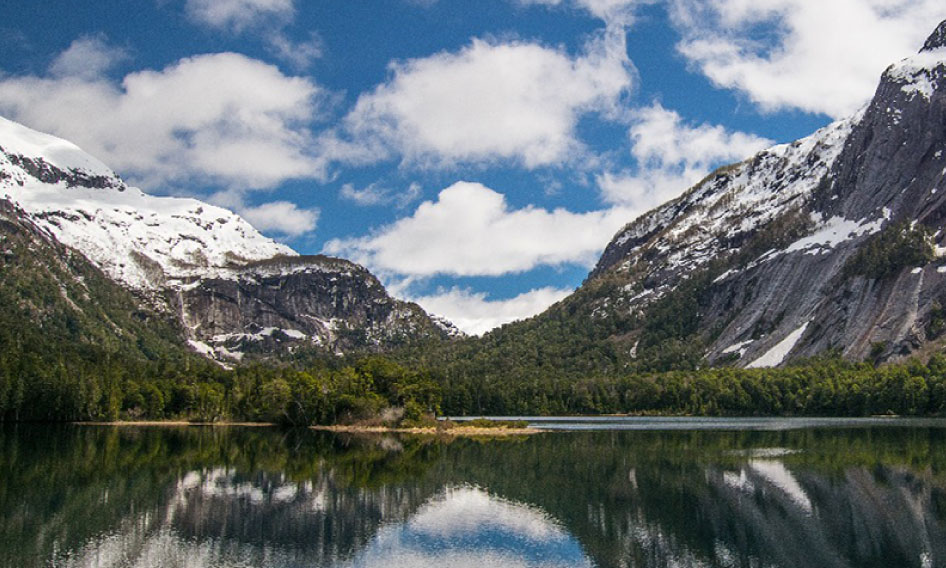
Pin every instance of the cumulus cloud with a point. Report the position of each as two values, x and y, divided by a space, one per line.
671 156
222 118
237 15
513 101
88 57
375 194
281 217
471 230
267 18
820 57
474 313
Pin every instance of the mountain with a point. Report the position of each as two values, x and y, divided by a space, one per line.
231 289
831 244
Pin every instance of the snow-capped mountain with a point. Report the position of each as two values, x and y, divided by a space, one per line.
833 242
232 288
140 240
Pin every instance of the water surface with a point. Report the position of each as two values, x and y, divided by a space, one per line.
681 492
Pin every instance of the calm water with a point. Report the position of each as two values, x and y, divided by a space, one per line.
713 493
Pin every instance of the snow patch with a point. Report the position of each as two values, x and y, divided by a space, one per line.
833 232
740 347
260 336
777 354
920 74
201 347
725 275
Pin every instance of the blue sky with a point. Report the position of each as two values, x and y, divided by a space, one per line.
477 155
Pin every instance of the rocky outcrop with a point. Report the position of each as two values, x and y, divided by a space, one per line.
302 300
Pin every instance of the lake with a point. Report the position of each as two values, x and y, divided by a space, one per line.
609 492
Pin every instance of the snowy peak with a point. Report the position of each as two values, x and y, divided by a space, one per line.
937 40
722 211
17 140
143 241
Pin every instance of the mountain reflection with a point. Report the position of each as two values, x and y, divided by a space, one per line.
195 498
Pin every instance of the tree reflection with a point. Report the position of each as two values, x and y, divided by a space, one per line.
148 497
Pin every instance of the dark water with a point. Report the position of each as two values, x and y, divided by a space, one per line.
808 494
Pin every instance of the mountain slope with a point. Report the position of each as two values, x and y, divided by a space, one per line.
69 335
830 244
793 237
232 289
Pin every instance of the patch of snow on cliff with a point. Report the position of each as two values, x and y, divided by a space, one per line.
261 335
833 232
740 347
777 354
920 74
201 347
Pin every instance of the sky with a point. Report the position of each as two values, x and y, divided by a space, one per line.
476 155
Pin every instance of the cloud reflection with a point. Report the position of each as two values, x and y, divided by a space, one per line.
467 527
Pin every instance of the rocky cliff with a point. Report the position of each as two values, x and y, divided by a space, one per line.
834 242
299 300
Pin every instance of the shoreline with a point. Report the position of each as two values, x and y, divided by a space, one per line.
461 431
175 423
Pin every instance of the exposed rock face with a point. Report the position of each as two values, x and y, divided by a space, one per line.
936 40
233 289
305 299
780 232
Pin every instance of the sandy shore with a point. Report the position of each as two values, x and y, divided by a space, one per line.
457 431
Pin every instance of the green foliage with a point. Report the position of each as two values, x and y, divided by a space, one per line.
896 247
821 387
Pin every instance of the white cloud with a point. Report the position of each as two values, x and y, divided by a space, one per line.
613 12
299 54
237 15
475 314
281 217
672 156
512 101
374 194
266 18
661 138
222 118
88 57
821 56
471 230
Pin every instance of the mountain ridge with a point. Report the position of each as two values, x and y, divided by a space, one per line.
182 256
